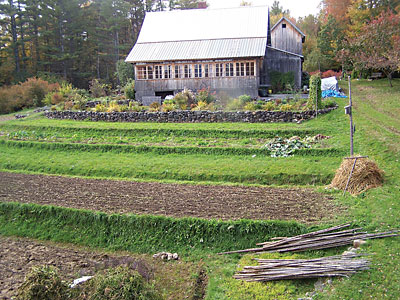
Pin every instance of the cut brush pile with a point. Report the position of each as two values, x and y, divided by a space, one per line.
278 269
366 175
317 240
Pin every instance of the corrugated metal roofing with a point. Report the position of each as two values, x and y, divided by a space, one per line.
202 34
194 50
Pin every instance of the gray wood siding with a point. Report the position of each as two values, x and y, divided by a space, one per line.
233 86
282 62
288 39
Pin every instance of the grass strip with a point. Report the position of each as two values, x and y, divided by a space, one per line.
224 133
164 150
137 233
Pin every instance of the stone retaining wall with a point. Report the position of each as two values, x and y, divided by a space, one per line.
189 116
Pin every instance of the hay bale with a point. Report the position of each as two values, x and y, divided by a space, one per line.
366 175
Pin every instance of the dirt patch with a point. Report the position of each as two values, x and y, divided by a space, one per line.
4 118
18 255
176 200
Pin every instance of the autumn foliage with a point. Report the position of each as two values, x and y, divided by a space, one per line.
27 94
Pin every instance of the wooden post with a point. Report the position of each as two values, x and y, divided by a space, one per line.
352 170
351 121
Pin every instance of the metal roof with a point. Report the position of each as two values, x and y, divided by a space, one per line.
195 50
202 34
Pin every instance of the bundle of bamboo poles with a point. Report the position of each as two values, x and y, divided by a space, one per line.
321 239
279 269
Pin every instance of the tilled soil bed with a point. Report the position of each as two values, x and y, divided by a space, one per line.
176 200
19 255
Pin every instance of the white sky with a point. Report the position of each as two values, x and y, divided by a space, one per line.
298 8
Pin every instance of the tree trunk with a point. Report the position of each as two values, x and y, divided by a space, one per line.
22 34
14 37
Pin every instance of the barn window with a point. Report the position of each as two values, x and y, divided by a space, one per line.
207 70
141 72
167 72
188 71
198 71
283 25
149 72
157 72
178 71
218 70
240 69
250 68
229 69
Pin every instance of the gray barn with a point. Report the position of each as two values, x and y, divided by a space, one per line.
231 50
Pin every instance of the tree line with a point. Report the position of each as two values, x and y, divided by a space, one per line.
78 40
75 40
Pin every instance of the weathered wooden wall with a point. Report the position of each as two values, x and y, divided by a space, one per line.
288 39
233 86
276 60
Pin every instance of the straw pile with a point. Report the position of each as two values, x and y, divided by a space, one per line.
366 175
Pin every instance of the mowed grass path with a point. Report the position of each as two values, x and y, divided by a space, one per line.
214 168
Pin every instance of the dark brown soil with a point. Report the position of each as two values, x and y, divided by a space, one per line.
19 255
177 200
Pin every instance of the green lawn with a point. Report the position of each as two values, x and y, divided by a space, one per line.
376 115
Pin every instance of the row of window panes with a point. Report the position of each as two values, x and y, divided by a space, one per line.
195 71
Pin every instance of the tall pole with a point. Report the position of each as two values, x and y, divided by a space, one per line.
351 121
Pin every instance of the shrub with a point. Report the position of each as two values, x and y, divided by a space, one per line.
331 73
280 80
328 103
119 283
129 90
184 99
245 98
134 106
286 107
167 106
155 106
100 108
26 94
97 89
124 71
43 283
201 105
234 105
269 106
205 95
315 92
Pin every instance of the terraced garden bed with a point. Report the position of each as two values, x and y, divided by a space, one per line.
174 200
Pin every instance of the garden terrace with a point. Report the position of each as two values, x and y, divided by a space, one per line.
189 116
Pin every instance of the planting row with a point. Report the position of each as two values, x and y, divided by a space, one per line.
70 160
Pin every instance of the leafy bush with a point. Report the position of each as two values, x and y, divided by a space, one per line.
245 98
26 94
204 95
119 283
129 90
125 72
286 107
43 283
184 99
331 73
269 106
100 108
329 103
155 106
280 80
167 106
97 89
315 92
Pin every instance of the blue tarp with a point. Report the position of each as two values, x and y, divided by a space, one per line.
332 93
